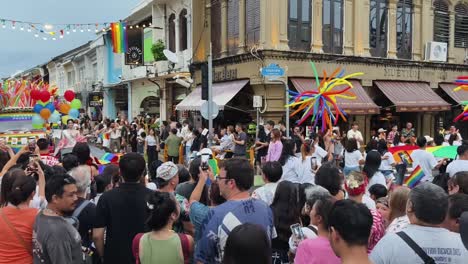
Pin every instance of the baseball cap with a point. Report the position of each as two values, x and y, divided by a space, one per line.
428 138
381 130
205 151
167 171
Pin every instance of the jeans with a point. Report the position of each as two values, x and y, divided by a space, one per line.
187 153
347 170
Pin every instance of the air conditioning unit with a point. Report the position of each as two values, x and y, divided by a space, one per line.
436 51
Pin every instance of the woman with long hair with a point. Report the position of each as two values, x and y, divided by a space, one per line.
247 243
388 162
352 157
292 165
151 150
286 212
397 202
275 147
162 244
310 163
371 169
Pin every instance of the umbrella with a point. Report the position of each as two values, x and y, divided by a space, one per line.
449 152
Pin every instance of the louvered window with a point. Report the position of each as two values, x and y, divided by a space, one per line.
233 26
299 24
461 26
332 26
441 21
216 28
183 29
378 28
172 35
404 28
252 22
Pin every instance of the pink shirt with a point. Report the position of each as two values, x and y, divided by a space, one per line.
274 151
317 250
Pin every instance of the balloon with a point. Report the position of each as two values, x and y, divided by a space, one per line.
45 96
64 108
74 113
37 108
43 104
55 117
37 126
51 107
69 95
45 113
75 104
37 120
35 94
65 118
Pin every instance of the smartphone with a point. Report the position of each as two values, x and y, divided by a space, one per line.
204 162
296 230
314 163
33 158
32 144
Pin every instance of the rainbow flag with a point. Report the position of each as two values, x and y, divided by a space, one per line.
119 37
405 158
414 178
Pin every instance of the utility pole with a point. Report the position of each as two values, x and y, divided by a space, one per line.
210 98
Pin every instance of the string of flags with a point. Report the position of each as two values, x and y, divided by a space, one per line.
60 31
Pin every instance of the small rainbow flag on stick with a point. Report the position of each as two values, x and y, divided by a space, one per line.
406 158
415 177
119 37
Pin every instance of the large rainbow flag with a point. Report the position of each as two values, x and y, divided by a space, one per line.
119 37
414 178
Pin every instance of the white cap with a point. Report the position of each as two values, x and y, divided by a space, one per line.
381 130
428 138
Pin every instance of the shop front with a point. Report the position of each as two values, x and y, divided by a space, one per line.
95 104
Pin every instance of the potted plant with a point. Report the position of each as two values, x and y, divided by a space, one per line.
157 50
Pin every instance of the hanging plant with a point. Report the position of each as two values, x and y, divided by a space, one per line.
157 50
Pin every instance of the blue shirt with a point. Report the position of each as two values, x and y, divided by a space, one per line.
222 219
198 213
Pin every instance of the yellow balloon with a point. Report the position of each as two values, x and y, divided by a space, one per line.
65 118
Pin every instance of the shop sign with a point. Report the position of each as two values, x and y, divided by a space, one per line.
134 54
224 74
95 99
401 73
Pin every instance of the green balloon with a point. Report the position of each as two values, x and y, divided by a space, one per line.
75 104
41 103
37 126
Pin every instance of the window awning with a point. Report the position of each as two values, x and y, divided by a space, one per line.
363 104
222 94
458 97
412 96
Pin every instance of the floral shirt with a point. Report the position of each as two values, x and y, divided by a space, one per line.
184 213
398 224
377 230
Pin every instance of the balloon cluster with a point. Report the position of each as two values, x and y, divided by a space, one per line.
50 109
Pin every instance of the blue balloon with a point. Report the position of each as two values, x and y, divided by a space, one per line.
74 113
37 108
37 120
51 107
55 117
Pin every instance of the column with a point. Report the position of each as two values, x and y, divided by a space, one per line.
392 49
351 29
417 27
189 31
199 35
163 101
129 100
427 25
224 18
364 29
177 34
317 41
241 48
451 46
282 8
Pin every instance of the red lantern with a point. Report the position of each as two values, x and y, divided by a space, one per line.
45 96
35 94
69 95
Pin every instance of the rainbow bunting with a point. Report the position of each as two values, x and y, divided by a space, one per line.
414 178
119 37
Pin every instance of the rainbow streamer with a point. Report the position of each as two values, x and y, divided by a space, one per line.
415 177
462 84
321 104
119 37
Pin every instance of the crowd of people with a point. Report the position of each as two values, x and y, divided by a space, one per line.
320 199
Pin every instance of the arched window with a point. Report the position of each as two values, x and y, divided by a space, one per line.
441 21
378 28
404 28
183 30
216 28
461 26
252 22
299 26
332 28
172 35
233 26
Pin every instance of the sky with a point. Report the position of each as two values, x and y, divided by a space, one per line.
20 50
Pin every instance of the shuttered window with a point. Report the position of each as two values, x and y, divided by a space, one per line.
252 22
378 28
183 29
216 28
404 29
441 21
233 26
332 26
172 35
461 26
299 24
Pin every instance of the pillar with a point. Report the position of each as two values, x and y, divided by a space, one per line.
418 49
224 17
242 29
163 101
427 26
282 7
189 30
129 100
317 41
364 49
351 29
274 24
177 34
451 44
392 49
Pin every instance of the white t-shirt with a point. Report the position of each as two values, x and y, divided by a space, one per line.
150 140
292 170
387 163
320 153
266 192
456 166
368 202
308 176
426 161
356 135
378 178
439 243
352 159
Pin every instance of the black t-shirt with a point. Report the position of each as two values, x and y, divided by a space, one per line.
264 138
186 189
123 212
86 224
298 142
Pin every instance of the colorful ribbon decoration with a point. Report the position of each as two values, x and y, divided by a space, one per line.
462 82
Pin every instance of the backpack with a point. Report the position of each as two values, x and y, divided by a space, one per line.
184 241
73 219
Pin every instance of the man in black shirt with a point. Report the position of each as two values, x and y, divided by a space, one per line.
122 212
